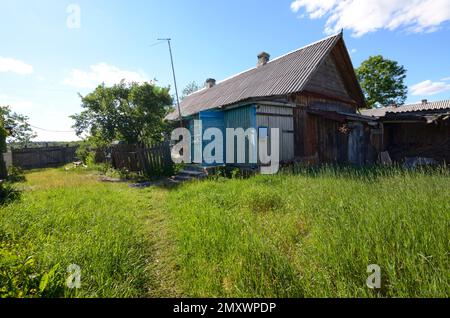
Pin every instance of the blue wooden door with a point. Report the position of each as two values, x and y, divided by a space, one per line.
213 119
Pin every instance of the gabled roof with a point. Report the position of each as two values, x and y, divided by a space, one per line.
284 75
411 108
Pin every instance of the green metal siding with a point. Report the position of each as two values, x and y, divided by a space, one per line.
241 117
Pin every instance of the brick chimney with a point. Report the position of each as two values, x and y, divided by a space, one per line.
210 82
263 58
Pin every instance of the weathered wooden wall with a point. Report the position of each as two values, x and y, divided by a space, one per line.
34 158
317 140
151 160
281 117
321 139
418 140
328 79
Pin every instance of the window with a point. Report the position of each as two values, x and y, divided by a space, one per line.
263 132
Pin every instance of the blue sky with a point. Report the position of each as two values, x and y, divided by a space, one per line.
47 57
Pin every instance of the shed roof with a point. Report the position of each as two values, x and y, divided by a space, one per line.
410 108
284 75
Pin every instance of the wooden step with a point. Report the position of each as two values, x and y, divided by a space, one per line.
194 173
193 167
183 177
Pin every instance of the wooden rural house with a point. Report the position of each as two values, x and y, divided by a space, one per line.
312 95
416 130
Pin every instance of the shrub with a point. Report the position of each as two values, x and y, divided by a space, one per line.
83 151
16 174
8 193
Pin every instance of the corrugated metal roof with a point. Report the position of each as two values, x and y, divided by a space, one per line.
375 112
284 75
418 107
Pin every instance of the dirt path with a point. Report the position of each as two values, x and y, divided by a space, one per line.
163 265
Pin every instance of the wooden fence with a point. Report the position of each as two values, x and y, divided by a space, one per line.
34 158
151 160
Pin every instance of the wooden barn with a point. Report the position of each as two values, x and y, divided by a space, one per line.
419 130
312 95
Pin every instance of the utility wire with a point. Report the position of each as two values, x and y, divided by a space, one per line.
156 43
72 131
55 131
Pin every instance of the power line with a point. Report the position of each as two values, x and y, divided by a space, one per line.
54 131
156 43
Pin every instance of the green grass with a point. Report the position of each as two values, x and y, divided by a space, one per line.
69 218
310 234
314 234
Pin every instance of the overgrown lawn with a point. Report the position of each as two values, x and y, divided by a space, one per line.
307 234
315 234
69 218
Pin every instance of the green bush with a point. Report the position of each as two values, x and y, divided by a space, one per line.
83 151
16 174
8 193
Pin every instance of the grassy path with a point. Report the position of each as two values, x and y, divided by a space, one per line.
110 230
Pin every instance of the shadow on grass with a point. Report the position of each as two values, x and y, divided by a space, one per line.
338 172
366 173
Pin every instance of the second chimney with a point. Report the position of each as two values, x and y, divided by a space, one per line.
263 58
210 82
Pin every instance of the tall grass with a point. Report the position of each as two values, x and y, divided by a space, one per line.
303 233
69 218
314 234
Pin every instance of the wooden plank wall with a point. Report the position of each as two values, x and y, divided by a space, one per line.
282 118
328 79
35 158
430 141
152 160
320 140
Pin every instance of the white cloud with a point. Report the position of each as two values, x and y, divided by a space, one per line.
353 51
17 104
15 66
365 16
102 73
428 88
445 79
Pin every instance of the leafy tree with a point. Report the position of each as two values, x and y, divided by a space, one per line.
132 113
382 81
192 87
3 135
22 133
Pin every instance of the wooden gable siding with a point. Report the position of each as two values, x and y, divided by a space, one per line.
328 79
347 71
